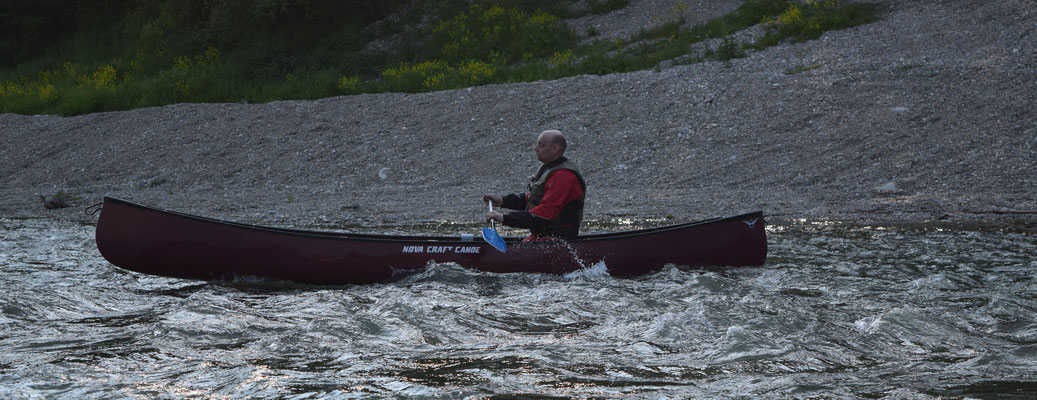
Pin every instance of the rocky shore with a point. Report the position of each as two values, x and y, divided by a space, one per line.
928 115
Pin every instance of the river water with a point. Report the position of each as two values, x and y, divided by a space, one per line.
838 311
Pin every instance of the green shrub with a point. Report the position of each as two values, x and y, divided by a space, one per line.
801 22
151 54
498 35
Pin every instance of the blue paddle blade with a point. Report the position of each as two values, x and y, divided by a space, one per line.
493 238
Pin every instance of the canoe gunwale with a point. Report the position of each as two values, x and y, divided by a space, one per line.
417 238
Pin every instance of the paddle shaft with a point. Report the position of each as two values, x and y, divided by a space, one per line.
493 222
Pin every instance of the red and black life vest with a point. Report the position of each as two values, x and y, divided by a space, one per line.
567 224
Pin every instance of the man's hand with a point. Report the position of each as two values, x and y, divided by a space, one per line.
494 216
496 198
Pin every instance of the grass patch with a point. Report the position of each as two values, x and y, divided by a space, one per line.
802 68
58 200
802 22
182 52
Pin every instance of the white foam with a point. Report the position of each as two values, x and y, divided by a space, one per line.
868 325
598 269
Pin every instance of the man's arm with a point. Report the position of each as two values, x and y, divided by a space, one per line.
515 201
524 219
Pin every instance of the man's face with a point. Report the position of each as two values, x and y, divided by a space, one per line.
546 151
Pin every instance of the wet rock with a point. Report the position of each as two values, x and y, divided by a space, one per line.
886 188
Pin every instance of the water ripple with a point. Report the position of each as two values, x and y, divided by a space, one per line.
838 311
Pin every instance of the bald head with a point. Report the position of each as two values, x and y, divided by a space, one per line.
550 146
554 137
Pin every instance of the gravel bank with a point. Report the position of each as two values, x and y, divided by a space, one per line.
927 115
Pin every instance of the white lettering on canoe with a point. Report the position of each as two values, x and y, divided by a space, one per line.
438 249
443 249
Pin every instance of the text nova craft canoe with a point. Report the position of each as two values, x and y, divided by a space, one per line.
167 243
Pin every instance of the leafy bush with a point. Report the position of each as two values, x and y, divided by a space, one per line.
498 35
131 53
801 22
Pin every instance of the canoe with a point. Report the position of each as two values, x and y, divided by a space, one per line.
167 243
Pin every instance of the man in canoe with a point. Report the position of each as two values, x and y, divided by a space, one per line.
553 206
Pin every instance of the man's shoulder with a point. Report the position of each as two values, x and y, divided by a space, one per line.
562 173
563 178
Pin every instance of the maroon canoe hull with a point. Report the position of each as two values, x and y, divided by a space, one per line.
158 242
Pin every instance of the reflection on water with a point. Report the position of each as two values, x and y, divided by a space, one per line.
837 311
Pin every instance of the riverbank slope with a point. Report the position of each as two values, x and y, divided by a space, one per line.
925 115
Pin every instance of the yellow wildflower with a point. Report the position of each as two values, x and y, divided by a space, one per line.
791 15
48 92
181 63
542 18
348 82
477 71
431 82
8 88
104 77
561 58
494 11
